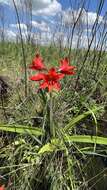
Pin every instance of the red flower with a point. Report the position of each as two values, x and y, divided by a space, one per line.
2 187
50 80
66 68
37 63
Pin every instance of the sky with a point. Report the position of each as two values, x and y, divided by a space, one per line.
91 5
46 17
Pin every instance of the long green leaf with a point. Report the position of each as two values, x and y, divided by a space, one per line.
22 129
80 117
86 139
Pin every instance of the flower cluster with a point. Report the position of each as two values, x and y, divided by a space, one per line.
50 78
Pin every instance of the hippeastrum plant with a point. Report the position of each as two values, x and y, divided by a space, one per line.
49 80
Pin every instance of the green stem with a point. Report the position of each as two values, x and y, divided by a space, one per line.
52 130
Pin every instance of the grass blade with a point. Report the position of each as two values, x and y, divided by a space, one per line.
86 139
22 129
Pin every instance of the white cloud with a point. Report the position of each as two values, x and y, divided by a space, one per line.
43 26
70 16
36 4
8 35
39 7
22 26
91 17
52 9
43 38
5 1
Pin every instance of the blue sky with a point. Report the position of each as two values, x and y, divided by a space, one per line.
90 5
45 15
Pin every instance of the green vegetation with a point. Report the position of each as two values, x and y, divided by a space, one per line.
31 158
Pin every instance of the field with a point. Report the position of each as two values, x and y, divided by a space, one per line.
53 141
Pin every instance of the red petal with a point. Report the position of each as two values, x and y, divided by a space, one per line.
64 62
71 67
44 85
51 85
60 76
68 72
37 77
52 72
53 75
